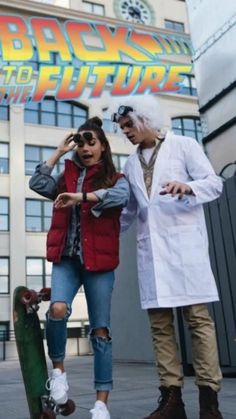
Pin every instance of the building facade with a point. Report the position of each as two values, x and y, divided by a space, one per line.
29 133
214 62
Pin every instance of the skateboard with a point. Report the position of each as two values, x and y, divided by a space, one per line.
29 342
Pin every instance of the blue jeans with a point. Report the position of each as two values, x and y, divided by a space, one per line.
67 278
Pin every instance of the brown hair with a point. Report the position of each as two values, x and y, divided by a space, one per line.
106 176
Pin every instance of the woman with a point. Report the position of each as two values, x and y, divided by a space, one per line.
83 244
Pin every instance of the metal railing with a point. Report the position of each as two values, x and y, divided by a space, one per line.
9 336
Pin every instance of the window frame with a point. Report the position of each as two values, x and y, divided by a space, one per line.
93 4
5 158
59 166
8 214
8 276
197 134
42 215
118 167
39 112
44 273
7 333
4 106
190 90
173 24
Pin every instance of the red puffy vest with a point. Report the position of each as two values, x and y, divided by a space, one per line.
99 236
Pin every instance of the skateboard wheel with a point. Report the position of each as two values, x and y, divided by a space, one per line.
68 408
48 414
29 297
45 293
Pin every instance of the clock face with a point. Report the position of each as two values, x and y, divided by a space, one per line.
136 11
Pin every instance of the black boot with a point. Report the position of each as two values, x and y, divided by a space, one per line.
170 404
208 403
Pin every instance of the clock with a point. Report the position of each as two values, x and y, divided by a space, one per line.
135 11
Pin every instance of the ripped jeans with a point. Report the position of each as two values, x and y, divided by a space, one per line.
67 278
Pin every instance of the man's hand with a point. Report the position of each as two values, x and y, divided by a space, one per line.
67 199
175 188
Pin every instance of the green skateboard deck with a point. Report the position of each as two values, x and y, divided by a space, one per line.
31 353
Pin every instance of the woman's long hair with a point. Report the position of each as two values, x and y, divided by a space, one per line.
105 178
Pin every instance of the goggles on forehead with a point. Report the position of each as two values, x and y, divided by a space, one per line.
122 111
87 136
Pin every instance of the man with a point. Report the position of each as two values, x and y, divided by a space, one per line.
170 179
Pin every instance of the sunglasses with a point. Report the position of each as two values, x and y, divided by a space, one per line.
86 136
122 111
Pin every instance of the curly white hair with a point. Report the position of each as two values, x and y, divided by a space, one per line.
146 111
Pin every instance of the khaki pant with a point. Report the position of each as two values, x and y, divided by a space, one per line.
204 346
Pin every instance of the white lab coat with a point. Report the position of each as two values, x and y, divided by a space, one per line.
172 245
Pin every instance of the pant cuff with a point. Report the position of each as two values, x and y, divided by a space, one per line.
103 386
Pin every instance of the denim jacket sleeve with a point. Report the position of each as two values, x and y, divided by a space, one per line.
43 183
117 196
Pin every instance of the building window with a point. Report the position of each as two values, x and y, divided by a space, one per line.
4 331
188 86
189 126
97 9
4 214
38 215
38 273
119 161
4 112
4 157
108 125
55 113
174 26
36 154
4 275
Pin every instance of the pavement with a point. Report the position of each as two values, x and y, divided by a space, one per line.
134 396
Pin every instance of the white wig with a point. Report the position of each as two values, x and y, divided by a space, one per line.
146 111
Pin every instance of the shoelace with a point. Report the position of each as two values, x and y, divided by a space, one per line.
50 384
162 404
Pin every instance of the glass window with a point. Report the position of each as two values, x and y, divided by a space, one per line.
4 275
119 161
4 331
4 112
4 214
38 215
35 154
64 107
188 86
55 113
38 273
64 121
108 125
4 158
48 118
174 26
48 105
97 9
188 126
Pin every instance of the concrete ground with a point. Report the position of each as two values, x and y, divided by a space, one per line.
134 395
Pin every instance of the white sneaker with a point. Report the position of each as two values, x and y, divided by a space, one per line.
100 411
58 386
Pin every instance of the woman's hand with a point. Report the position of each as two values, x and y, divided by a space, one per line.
66 145
67 199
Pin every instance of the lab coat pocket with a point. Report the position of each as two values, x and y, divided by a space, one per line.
187 244
144 252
